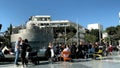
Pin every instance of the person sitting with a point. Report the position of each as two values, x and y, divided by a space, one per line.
6 50
67 49
65 54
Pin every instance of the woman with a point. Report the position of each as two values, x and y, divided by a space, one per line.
23 51
67 49
50 52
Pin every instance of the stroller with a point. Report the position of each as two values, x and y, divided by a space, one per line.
32 57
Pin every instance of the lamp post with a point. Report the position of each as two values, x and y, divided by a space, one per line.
99 34
77 34
65 35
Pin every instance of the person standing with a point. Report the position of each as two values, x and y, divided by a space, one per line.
23 51
28 49
73 49
49 53
17 50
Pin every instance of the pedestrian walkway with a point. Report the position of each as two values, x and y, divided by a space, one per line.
46 65
112 61
80 64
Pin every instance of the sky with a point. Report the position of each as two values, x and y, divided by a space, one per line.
84 12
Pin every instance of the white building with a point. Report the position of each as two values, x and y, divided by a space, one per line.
95 26
104 35
45 21
39 30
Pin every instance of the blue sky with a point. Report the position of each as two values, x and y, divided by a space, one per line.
84 12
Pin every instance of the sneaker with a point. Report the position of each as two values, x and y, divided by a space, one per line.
26 65
17 64
22 66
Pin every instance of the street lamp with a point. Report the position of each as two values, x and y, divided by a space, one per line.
77 34
65 35
99 34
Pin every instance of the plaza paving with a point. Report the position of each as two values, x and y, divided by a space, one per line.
107 62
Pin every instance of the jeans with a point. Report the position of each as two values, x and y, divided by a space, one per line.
16 57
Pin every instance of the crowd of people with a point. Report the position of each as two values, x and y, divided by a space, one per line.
83 50
54 51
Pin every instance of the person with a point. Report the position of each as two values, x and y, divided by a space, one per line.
29 49
110 49
17 50
73 49
96 46
49 53
81 50
66 49
23 51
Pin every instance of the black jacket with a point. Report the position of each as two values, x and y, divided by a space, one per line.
48 52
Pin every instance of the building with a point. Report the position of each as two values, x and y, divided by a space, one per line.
39 30
105 35
95 26
47 22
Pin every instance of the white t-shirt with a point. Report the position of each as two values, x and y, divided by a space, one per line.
52 53
68 50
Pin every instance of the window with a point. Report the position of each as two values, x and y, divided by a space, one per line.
39 19
45 19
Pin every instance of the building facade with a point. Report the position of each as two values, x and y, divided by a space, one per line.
95 26
39 31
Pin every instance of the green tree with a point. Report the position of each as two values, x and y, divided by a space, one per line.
92 33
7 35
114 34
107 39
10 29
90 38
95 32
111 30
64 32
70 35
118 32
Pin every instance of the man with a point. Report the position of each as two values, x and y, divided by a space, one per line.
73 49
81 50
17 50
